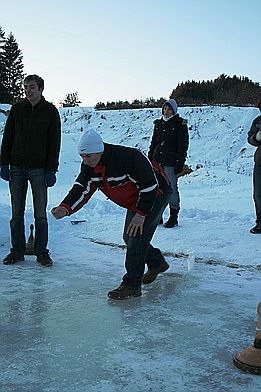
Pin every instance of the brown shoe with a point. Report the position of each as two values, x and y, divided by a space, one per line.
152 274
124 292
249 360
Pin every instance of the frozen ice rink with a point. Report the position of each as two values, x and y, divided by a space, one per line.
59 332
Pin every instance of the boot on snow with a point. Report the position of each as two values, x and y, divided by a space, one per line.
256 229
173 219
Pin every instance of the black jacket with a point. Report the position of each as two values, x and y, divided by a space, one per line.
170 142
255 127
32 136
124 175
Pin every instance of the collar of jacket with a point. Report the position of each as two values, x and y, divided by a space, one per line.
105 158
37 106
172 118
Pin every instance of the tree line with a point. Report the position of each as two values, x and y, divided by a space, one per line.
224 90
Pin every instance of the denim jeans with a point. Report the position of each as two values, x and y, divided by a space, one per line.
257 192
139 249
18 190
173 178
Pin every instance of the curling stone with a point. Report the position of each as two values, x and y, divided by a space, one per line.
29 248
249 360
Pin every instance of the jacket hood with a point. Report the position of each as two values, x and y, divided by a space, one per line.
173 104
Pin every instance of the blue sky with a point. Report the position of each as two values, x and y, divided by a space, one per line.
115 49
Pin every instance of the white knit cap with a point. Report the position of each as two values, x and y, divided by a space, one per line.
90 142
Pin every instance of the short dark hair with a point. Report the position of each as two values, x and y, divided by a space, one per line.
38 80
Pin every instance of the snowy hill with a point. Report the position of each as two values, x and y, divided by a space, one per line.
217 134
217 195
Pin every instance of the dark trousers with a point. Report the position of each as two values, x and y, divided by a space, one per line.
257 192
18 190
139 249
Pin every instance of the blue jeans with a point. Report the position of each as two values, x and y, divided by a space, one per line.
173 178
139 249
18 190
257 192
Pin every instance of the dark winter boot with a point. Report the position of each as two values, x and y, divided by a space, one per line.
173 219
152 273
13 257
256 229
45 260
124 292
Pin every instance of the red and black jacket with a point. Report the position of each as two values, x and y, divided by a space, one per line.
124 175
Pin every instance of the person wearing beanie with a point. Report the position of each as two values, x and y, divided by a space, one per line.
125 176
30 154
168 147
254 138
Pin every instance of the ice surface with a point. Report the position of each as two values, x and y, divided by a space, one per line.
59 332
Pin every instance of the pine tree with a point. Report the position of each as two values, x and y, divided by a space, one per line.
13 69
4 96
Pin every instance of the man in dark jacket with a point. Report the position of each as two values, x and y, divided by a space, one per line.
126 177
169 147
30 152
254 138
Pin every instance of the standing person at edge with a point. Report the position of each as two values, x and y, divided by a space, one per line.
30 152
254 138
169 147
126 177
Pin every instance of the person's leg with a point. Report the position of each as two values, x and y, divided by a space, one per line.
18 190
173 178
139 249
39 192
257 193
175 198
257 198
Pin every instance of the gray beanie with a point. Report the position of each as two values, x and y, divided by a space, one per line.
90 142
173 104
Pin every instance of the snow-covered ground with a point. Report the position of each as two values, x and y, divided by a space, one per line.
59 331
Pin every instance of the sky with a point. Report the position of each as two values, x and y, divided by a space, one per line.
59 331
110 50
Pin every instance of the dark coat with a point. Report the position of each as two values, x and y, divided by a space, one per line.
124 175
255 127
170 142
32 136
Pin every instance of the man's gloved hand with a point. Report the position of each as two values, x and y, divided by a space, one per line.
258 136
59 212
5 173
178 169
50 179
